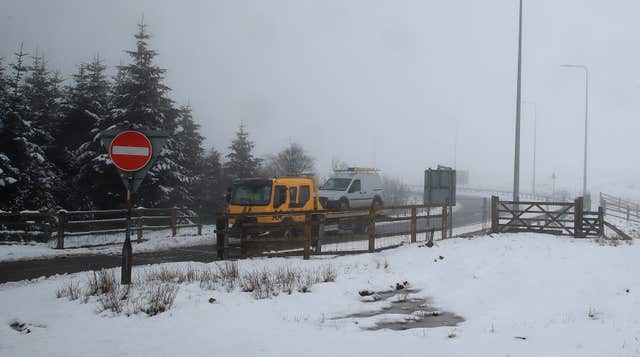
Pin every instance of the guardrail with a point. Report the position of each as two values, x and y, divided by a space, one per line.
62 225
303 233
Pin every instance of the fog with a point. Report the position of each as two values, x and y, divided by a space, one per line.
384 83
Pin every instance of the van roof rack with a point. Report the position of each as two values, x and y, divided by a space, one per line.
358 169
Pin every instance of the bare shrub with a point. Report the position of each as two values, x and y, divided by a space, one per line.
113 300
261 283
101 282
166 274
70 289
229 274
287 279
159 297
209 278
328 273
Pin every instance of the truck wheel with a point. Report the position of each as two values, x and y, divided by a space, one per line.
289 231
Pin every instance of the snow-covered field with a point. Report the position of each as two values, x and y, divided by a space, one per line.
154 241
520 295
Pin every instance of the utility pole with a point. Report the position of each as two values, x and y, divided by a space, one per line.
586 120
516 161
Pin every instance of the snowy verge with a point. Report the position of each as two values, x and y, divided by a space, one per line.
520 295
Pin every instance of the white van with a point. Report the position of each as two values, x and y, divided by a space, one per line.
354 187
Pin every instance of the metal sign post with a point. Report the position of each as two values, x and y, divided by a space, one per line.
133 152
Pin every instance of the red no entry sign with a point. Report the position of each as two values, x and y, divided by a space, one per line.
130 150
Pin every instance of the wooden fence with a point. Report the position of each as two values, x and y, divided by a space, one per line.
62 225
310 237
560 218
620 208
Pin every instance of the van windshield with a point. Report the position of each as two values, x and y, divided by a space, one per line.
251 193
336 184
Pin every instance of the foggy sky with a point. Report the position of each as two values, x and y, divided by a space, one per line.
381 83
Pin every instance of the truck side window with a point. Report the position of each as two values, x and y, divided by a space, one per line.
355 186
305 194
280 196
293 194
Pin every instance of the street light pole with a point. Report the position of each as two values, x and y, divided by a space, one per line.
516 161
586 120
535 134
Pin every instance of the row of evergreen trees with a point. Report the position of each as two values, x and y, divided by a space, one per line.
50 151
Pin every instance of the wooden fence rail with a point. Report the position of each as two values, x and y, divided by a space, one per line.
560 218
62 225
276 239
620 208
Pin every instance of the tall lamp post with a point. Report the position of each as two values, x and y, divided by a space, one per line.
586 120
516 160
535 134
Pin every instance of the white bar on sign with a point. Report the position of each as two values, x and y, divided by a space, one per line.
130 150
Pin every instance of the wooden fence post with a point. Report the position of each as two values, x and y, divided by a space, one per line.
61 226
221 227
578 214
174 226
627 213
413 224
307 236
495 218
62 219
199 221
372 229
443 224
600 221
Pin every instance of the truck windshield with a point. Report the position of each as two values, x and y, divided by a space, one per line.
251 194
336 184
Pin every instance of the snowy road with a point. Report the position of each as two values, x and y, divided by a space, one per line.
470 212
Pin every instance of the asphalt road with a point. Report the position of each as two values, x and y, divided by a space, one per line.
469 213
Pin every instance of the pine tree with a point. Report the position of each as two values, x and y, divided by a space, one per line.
241 162
210 189
140 101
4 90
183 161
43 97
86 104
86 108
26 178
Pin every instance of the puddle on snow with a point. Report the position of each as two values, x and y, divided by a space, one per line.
415 312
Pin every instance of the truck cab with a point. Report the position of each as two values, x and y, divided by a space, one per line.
352 188
272 195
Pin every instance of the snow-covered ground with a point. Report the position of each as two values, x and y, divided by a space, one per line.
520 295
153 241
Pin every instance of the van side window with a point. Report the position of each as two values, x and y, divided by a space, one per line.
305 194
355 186
293 194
